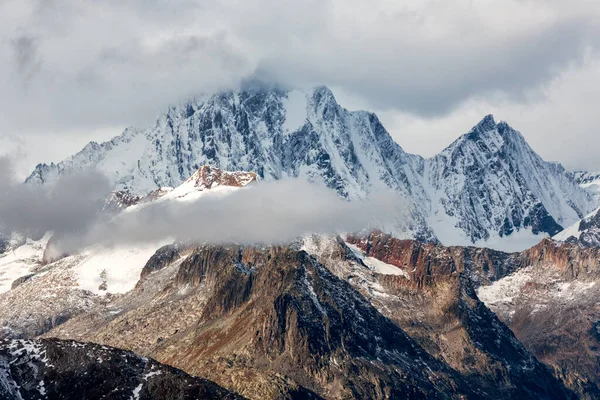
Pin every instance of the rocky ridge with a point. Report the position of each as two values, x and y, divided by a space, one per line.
44 287
486 186
585 232
54 369
279 318
546 295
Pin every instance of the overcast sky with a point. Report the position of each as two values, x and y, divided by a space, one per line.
78 70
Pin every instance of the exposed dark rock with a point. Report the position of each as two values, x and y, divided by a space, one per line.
21 280
160 259
55 369
436 304
275 323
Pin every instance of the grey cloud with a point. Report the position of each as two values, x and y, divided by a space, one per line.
125 61
118 63
271 212
267 212
433 79
27 60
68 207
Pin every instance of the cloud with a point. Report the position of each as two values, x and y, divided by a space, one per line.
268 213
26 56
121 62
68 207
93 65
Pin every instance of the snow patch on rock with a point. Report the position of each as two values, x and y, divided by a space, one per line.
20 261
377 265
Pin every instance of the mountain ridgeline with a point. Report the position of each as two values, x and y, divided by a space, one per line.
487 185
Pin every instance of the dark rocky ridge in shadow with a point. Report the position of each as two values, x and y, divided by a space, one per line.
55 369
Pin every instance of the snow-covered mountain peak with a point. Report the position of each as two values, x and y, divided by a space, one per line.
488 183
485 125
490 136
495 185
322 97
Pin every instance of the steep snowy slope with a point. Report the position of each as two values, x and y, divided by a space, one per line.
585 232
590 182
18 262
486 186
494 184
37 295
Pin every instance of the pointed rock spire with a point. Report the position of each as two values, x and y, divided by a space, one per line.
486 124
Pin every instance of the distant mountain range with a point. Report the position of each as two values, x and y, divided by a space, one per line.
361 316
487 188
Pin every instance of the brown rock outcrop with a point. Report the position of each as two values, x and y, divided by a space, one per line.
275 323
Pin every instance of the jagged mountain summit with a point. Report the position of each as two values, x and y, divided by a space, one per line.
491 183
485 187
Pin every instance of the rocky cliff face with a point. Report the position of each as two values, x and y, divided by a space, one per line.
271 321
424 264
586 232
54 369
487 185
275 321
551 305
546 295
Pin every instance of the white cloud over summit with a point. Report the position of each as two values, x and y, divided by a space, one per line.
431 69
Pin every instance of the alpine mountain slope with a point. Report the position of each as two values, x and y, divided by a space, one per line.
360 317
486 188
40 287
274 322
585 232
589 181
54 369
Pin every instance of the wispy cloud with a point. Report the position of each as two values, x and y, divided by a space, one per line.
68 207
115 63
267 212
